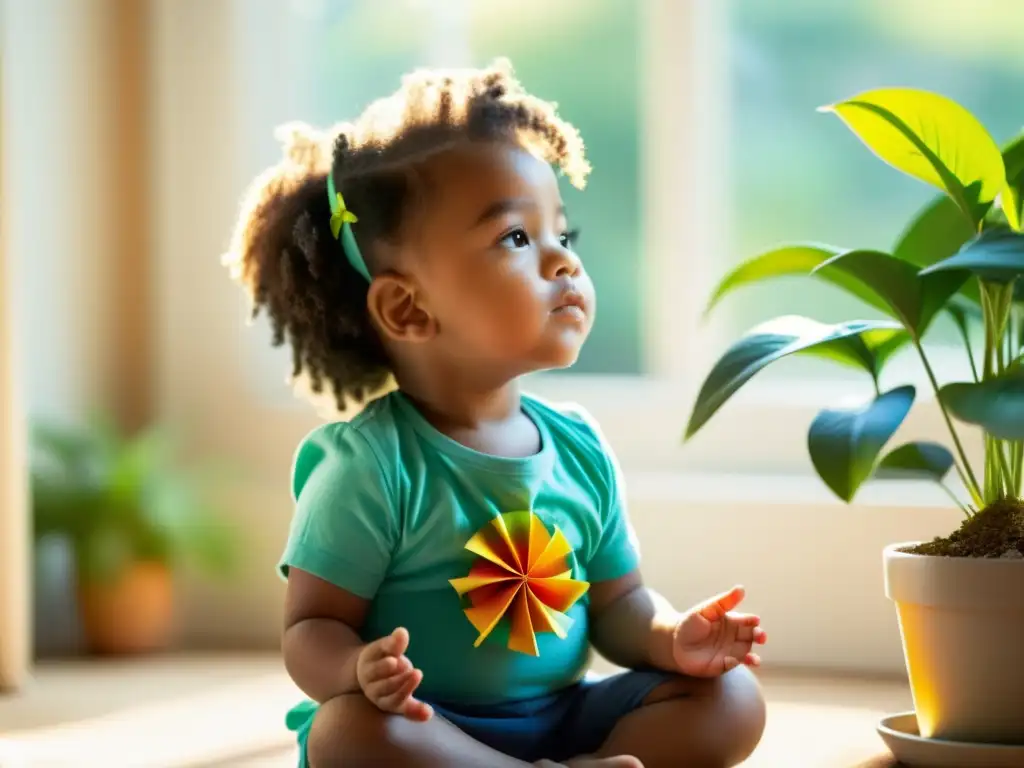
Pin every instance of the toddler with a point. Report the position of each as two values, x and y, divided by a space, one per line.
458 546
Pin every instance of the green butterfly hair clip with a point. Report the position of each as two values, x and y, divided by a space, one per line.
342 220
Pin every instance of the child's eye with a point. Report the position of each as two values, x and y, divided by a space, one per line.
569 238
515 239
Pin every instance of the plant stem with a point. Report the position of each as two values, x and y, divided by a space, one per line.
1020 333
1007 346
1015 338
1003 466
966 473
970 358
990 470
966 334
1004 480
990 364
955 498
1017 462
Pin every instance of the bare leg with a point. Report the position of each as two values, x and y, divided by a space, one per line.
350 732
694 723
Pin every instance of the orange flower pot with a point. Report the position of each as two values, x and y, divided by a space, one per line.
131 615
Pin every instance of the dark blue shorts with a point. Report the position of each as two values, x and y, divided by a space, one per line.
574 721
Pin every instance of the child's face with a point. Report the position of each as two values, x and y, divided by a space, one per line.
494 263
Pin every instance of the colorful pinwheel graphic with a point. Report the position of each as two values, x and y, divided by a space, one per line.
523 570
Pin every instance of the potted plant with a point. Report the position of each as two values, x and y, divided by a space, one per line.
131 515
959 599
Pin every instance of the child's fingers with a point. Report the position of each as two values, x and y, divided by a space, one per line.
751 635
391 645
719 605
745 619
752 660
395 702
390 685
414 709
398 641
386 667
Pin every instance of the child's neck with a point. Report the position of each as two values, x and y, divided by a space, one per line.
464 407
487 419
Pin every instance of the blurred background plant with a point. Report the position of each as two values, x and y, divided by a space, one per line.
133 516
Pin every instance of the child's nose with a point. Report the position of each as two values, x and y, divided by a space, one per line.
561 262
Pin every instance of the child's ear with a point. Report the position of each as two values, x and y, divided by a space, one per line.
395 306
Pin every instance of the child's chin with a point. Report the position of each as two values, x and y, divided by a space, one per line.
562 358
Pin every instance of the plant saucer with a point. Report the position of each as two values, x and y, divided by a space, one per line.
901 736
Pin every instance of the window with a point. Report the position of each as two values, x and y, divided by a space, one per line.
700 119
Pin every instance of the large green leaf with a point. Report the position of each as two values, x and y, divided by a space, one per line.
1009 201
924 460
883 343
931 138
782 337
937 232
996 405
1013 159
963 313
844 444
995 256
912 299
789 260
869 351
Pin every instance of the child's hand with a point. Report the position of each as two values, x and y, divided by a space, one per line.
710 641
388 678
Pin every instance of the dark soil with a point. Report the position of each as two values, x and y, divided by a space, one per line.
996 531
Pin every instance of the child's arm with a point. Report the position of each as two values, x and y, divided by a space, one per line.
634 626
326 658
631 625
338 552
321 642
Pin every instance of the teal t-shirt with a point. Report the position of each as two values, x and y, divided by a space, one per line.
385 505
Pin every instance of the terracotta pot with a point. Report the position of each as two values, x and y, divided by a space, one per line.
962 624
134 614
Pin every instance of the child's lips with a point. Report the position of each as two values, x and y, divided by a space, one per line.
572 307
570 312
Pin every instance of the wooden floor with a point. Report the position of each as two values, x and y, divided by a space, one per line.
207 711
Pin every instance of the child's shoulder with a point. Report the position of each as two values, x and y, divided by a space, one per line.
352 447
567 414
576 434
571 424
376 419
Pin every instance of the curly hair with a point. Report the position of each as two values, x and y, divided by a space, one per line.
282 250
